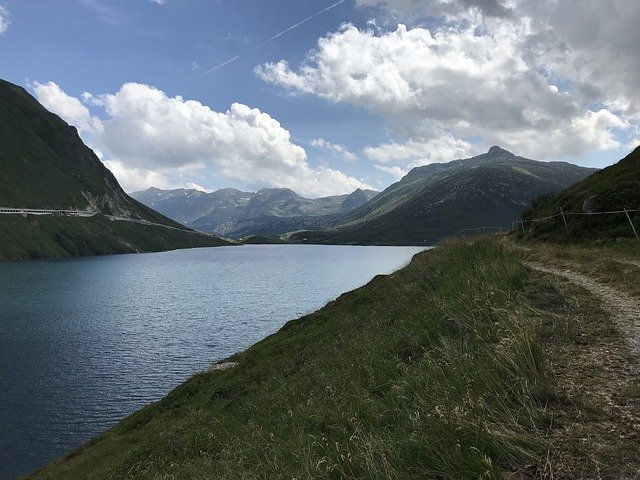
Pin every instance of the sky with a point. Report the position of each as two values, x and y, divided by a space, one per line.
326 96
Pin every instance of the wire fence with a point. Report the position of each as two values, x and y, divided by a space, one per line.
482 229
520 224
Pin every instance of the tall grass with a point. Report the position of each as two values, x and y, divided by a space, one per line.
435 371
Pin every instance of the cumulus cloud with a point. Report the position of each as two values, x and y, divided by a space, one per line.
396 172
441 149
150 138
69 108
588 42
4 19
335 148
440 88
135 179
593 43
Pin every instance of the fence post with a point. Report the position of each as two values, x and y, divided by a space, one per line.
563 218
632 225
522 224
483 230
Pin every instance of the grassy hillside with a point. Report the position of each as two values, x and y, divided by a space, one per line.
440 200
54 237
612 189
44 164
437 371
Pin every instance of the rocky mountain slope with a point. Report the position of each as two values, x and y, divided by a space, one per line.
234 214
612 189
440 200
45 165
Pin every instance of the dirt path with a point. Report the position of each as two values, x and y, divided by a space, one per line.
624 308
635 263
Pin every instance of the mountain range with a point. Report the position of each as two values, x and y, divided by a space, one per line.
234 214
445 199
45 165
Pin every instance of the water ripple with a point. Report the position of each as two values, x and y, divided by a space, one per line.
85 342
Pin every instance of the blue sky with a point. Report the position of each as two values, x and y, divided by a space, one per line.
330 110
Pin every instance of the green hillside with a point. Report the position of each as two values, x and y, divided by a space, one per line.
441 200
613 189
44 164
462 365
58 237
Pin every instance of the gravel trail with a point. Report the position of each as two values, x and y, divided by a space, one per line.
624 308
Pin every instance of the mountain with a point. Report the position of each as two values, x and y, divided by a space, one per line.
612 189
440 200
235 214
45 165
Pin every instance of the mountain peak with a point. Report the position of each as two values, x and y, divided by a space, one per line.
496 151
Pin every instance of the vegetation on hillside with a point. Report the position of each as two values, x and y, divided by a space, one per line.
441 200
44 164
454 367
32 237
614 188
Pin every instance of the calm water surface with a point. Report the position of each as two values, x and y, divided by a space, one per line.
85 342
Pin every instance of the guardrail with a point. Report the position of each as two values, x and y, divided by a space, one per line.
43 211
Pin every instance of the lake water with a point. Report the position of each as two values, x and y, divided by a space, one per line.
85 342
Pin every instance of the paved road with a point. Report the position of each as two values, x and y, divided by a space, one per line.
43 211
83 213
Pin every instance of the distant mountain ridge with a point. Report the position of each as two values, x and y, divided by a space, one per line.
440 200
45 165
233 213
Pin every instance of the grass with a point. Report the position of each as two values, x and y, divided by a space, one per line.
465 364
438 201
54 237
433 372
595 424
613 189
44 164
614 264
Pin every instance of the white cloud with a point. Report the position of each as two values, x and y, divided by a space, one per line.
591 42
135 179
151 139
195 186
415 153
584 41
337 149
396 172
4 19
466 81
69 108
